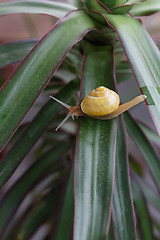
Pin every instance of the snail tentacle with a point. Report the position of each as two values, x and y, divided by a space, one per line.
68 115
64 120
62 103
73 111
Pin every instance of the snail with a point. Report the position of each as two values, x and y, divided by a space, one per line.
101 103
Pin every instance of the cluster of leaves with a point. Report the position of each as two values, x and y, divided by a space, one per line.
89 198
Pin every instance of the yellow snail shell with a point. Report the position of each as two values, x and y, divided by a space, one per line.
100 101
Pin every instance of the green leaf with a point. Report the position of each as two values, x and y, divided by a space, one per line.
56 9
123 72
16 194
22 89
151 134
111 232
149 193
64 227
124 7
95 156
76 3
134 1
94 8
142 213
39 215
33 131
15 51
35 216
135 166
145 147
144 58
123 212
146 8
94 5
112 4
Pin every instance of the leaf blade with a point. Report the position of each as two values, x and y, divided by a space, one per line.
39 7
16 194
35 216
64 227
123 212
32 133
22 89
14 52
142 212
94 171
145 8
145 147
144 58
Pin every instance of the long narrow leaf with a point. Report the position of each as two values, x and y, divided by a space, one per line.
33 131
146 8
142 213
144 146
144 58
64 227
76 3
14 52
35 216
56 9
151 134
22 89
111 234
149 193
123 212
16 194
95 156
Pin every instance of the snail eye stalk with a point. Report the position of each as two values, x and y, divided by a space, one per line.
62 103
68 115
64 120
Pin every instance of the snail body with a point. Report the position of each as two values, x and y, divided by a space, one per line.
101 103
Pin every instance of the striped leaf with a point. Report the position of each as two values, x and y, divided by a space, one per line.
146 8
145 147
123 212
64 227
95 155
13 198
144 58
142 213
56 9
22 89
32 133
15 51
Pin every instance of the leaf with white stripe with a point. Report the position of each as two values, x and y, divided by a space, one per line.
144 58
55 9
